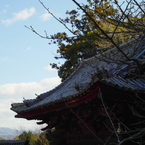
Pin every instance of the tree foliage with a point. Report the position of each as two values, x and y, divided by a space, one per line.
97 25
29 136
42 139
48 137
34 138
86 39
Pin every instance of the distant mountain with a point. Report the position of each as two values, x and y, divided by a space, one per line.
8 133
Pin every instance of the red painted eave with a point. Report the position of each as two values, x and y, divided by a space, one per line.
68 103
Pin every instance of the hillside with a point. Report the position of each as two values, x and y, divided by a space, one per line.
7 133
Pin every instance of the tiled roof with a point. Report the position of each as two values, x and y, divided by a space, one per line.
109 67
12 142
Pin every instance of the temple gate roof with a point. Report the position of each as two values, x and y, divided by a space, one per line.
13 142
109 67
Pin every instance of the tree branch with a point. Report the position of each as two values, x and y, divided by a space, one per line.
103 32
56 18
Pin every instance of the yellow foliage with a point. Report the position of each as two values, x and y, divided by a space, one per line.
58 51
74 20
60 35
90 32
116 1
110 11
91 3
91 12
98 8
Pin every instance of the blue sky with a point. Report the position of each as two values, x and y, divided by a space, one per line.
22 52
24 56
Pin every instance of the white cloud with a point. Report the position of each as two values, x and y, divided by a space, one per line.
11 93
46 16
48 67
3 58
22 15
28 48
3 12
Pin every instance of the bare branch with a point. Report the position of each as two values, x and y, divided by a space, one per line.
136 135
33 30
84 123
104 33
56 18
101 97
139 6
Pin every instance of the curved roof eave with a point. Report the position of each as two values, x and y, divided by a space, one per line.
82 77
